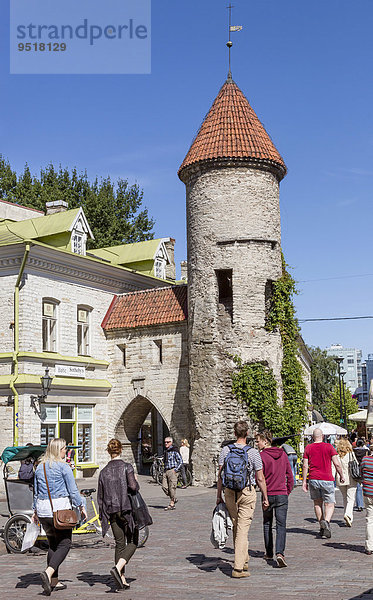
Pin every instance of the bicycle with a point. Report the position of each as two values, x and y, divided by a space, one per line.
157 470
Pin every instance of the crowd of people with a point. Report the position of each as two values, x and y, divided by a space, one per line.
270 466
349 466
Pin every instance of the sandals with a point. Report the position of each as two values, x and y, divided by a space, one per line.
46 584
116 576
59 586
170 507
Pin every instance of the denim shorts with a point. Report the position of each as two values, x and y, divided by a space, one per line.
322 490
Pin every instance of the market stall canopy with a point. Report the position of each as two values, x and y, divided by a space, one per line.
359 416
326 428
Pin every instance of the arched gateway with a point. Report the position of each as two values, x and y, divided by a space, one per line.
148 347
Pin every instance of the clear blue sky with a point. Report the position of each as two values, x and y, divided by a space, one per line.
306 68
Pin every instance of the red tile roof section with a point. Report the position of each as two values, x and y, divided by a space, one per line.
231 130
148 307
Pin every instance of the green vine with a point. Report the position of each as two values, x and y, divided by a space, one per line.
254 383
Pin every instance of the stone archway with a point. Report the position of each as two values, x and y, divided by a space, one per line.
141 416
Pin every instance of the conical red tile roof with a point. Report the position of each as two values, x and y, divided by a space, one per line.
230 132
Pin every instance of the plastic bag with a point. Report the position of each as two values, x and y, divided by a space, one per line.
31 533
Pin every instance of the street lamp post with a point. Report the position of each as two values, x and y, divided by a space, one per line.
339 360
36 401
343 373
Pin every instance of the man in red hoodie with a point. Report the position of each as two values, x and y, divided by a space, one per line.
280 482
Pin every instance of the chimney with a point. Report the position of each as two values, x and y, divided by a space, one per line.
55 207
184 270
170 269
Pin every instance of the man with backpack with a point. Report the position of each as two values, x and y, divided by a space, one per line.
240 467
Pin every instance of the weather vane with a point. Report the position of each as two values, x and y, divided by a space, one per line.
231 28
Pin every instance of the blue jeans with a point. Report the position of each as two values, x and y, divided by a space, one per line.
359 496
279 506
293 463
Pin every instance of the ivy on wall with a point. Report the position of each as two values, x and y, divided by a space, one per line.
254 383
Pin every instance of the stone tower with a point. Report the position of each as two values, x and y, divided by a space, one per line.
231 173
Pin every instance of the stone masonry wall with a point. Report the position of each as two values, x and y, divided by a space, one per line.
144 382
233 222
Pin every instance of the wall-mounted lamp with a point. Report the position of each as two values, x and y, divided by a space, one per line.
37 401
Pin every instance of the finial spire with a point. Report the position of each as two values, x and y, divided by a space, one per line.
229 42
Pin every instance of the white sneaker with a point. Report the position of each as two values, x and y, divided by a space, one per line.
348 520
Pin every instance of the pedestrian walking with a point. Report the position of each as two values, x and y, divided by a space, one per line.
367 473
55 473
293 459
172 464
279 481
359 452
348 487
184 452
115 482
240 466
317 462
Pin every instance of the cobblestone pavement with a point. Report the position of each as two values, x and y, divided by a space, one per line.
179 562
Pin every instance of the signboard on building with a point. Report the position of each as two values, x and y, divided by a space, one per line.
69 371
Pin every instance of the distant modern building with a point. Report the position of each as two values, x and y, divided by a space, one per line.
351 364
362 393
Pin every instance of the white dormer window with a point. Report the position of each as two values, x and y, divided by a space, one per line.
160 268
78 244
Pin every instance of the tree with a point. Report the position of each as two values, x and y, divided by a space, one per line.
323 377
113 209
332 409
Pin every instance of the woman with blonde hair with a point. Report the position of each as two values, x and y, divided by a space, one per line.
53 471
115 481
348 487
184 451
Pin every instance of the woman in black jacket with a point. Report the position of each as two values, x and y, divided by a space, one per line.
116 480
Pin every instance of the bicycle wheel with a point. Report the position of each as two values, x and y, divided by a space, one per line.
153 472
143 536
188 477
159 476
14 532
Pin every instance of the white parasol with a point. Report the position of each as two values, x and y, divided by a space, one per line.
359 416
326 428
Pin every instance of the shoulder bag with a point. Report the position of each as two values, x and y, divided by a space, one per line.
354 468
139 509
62 519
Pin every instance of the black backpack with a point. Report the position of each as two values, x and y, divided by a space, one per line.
235 472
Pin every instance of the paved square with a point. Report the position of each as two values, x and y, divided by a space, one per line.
179 562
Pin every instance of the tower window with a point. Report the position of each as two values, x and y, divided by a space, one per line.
268 298
158 347
225 290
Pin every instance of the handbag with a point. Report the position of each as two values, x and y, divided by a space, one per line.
140 511
354 469
62 519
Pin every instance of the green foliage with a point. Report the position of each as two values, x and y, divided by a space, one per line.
323 377
332 406
112 209
254 384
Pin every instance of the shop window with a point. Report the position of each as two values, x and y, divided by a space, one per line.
49 325
72 422
83 322
225 290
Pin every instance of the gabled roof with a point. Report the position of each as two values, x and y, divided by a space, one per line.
232 131
148 307
40 227
131 253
